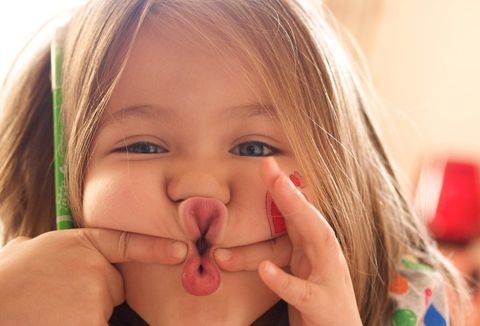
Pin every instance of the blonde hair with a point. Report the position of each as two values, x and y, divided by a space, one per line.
312 86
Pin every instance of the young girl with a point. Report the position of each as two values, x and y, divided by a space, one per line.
170 108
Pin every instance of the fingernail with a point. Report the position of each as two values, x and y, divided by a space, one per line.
223 254
178 249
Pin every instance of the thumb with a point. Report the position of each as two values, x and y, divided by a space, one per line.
248 257
122 246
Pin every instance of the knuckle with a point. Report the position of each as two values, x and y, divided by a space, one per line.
123 244
96 265
92 285
305 296
17 240
95 290
91 263
331 240
85 237
307 293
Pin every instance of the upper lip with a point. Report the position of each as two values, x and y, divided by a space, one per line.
203 216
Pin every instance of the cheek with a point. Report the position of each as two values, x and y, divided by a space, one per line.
103 203
247 221
121 202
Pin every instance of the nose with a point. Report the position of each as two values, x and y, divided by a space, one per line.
199 179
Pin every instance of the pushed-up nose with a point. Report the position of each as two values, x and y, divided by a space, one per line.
205 182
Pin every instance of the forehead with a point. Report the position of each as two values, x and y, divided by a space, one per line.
175 67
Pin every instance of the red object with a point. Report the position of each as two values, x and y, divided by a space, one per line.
449 193
277 219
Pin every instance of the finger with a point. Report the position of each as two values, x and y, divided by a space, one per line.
121 246
304 295
247 258
115 286
13 243
306 227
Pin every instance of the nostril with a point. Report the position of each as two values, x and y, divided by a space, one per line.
202 245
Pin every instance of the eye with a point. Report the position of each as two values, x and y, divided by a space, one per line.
141 148
254 148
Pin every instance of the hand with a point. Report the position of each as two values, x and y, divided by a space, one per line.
67 277
319 289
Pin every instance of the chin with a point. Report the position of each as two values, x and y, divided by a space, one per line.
156 293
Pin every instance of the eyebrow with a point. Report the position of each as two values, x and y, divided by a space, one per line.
167 114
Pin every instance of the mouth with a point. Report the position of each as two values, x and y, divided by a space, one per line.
204 221
202 245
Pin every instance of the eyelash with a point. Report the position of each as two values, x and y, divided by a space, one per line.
150 148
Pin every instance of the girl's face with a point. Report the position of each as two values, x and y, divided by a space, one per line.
181 125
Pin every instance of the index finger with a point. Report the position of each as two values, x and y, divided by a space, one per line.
121 246
306 227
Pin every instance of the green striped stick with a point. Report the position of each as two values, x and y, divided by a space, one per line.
63 213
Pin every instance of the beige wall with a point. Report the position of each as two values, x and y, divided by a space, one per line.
425 61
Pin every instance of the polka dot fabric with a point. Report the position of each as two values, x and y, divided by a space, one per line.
418 296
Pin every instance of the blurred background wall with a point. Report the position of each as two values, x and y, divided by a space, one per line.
424 60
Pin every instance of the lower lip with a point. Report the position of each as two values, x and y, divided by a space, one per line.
201 275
